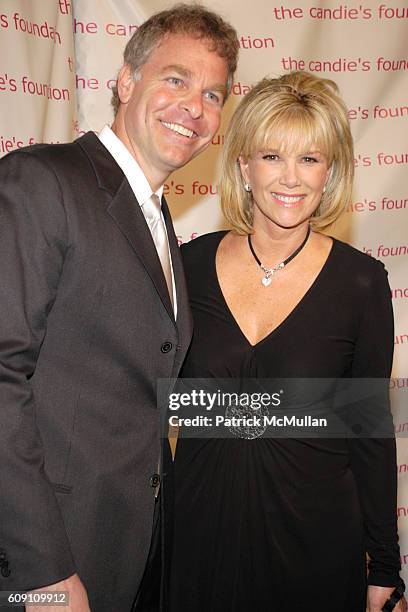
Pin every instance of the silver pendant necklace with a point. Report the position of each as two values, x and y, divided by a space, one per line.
269 272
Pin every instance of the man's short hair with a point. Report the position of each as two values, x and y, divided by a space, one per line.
192 20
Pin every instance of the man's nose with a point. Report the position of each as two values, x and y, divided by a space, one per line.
193 103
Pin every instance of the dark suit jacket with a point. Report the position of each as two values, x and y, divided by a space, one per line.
86 329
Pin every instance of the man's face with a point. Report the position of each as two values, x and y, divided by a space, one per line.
172 111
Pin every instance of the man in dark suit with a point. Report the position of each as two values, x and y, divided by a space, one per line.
93 311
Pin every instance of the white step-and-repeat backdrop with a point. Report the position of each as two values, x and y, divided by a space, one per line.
59 59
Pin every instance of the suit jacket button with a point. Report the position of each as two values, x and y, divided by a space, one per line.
166 347
5 572
155 480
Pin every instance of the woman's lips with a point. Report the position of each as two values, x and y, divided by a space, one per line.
288 201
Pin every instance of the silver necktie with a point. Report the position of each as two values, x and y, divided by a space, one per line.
152 212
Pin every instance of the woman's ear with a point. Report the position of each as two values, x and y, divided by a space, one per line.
243 165
328 175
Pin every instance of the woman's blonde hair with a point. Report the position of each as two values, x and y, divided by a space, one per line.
297 112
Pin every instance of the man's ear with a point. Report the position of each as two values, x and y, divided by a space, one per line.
125 84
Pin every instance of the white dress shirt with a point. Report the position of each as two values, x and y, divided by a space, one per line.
137 181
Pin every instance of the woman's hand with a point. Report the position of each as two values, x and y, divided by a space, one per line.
377 596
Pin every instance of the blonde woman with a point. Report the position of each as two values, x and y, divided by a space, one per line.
285 524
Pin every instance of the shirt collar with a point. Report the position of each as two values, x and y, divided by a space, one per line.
131 169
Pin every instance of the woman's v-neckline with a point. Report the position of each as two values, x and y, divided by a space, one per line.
294 310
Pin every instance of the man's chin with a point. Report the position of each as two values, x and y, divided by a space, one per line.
180 160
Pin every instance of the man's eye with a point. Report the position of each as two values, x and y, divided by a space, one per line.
175 81
213 97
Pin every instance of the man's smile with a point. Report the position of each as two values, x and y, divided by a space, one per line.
180 129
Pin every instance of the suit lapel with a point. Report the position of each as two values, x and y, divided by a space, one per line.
126 213
184 317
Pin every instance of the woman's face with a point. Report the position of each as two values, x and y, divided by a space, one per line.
286 188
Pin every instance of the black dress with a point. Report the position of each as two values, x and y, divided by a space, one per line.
283 525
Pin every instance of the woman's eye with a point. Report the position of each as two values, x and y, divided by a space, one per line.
310 160
271 157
